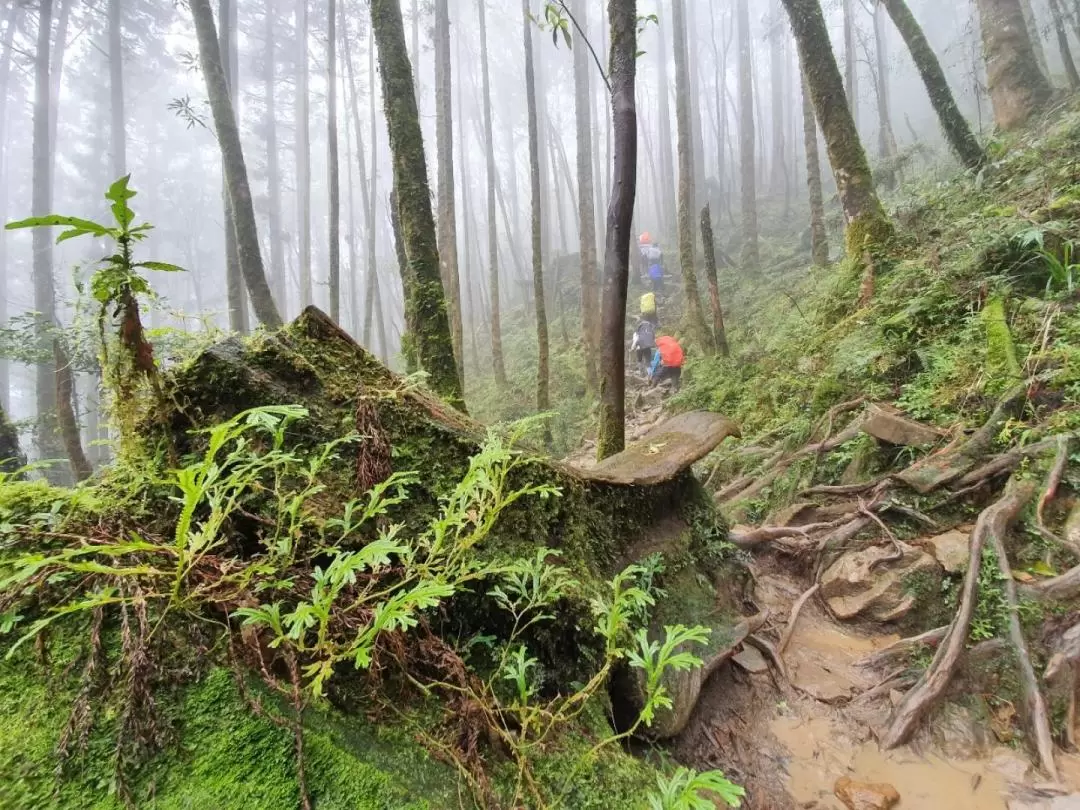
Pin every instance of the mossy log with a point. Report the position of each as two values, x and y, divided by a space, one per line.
639 502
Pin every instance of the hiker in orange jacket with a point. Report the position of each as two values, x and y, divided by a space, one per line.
667 362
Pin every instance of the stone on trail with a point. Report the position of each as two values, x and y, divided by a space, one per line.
865 795
751 660
950 549
889 425
856 585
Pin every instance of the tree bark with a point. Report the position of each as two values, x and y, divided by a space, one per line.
444 144
709 244
497 362
367 190
408 287
750 256
956 129
117 134
667 165
425 303
543 402
819 238
372 304
777 67
5 75
273 168
868 228
1032 25
81 468
590 292
234 281
303 153
1018 88
886 137
851 62
236 177
332 162
622 75
1063 45
694 313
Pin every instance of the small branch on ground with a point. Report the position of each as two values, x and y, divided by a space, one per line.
796 608
902 649
1053 481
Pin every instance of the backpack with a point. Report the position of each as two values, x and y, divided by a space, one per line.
671 353
656 272
646 335
648 304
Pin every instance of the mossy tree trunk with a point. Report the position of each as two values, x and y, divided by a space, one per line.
236 177
11 455
692 309
498 365
234 279
819 237
425 303
590 292
444 144
543 400
81 468
1063 45
851 60
622 75
709 244
750 256
332 161
955 126
868 228
1018 88
408 341
303 153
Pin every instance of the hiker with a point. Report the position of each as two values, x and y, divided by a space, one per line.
667 362
644 344
648 308
654 259
644 243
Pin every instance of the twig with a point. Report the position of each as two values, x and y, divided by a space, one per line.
599 65
992 522
1053 481
796 608
914 514
898 547
903 648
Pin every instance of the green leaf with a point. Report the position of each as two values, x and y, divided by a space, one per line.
55 219
163 267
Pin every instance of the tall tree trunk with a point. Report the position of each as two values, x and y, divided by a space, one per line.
117 134
425 302
303 153
1063 45
1017 86
416 45
851 61
868 228
234 281
590 286
612 434
498 364
886 137
667 165
543 402
465 285
273 167
690 42
371 290
367 190
694 313
1032 25
67 417
48 443
408 286
352 316
750 257
819 238
709 244
444 140
236 177
777 68
5 75
332 161
957 131
56 75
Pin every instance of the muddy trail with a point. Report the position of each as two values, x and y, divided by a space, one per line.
825 703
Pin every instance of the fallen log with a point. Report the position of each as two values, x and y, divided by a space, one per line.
993 521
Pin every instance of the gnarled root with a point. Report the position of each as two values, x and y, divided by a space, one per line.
897 652
992 522
795 610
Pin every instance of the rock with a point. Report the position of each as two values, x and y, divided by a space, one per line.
951 549
888 425
751 660
959 733
853 586
1045 803
1014 767
865 795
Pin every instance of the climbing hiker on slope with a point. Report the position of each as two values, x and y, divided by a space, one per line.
644 345
648 308
667 362
654 259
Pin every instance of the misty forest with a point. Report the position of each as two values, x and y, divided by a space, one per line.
578 404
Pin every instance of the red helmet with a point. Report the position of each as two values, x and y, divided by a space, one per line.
645 239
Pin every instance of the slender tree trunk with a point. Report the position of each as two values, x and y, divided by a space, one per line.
612 435
236 177
416 45
56 75
690 42
667 165
447 218
273 166
367 190
352 318
498 364
851 61
693 311
777 67
868 228
748 170
408 286
67 417
709 244
957 131
47 438
819 239
590 286
886 138
1018 88
5 75
234 281
371 290
11 455
1032 25
117 134
303 153
542 397
1063 46
465 276
332 162
426 302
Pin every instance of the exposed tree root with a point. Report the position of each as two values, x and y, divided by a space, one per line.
1034 702
733 488
992 522
1007 462
765 534
1056 589
901 650
843 489
1053 481
796 608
